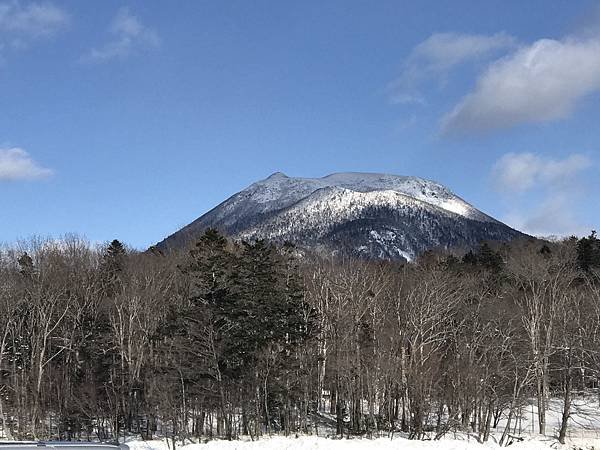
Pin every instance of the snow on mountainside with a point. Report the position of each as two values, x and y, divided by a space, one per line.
366 214
330 205
280 191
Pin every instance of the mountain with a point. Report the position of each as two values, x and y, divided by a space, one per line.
363 214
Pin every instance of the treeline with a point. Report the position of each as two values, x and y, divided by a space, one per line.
231 339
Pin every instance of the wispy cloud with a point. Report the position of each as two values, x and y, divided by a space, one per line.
554 216
21 24
16 164
538 83
440 53
555 181
519 172
128 35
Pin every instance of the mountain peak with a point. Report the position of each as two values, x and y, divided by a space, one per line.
277 175
280 191
371 214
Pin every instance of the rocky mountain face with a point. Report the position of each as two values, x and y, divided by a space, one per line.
362 214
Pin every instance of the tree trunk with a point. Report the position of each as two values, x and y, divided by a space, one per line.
566 407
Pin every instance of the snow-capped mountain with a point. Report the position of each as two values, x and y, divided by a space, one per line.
364 214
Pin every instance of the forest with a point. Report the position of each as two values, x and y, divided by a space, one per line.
228 339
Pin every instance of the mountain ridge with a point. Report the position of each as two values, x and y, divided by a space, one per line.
407 215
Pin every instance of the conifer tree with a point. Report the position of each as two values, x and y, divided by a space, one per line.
489 258
112 266
26 267
588 252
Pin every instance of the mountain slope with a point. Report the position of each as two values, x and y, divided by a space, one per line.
365 214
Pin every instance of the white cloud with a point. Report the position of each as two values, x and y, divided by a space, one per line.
128 35
442 51
519 172
20 24
538 83
555 181
438 54
16 164
553 217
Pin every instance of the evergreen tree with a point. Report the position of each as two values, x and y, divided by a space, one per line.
588 252
26 267
112 266
545 250
470 258
490 259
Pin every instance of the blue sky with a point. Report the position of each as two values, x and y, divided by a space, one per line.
130 119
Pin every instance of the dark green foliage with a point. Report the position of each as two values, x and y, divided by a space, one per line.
470 258
485 258
252 304
545 250
588 252
26 265
452 262
113 260
245 319
112 267
489 258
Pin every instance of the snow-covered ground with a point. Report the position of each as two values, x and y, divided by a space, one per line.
584 433
584 420
321 443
